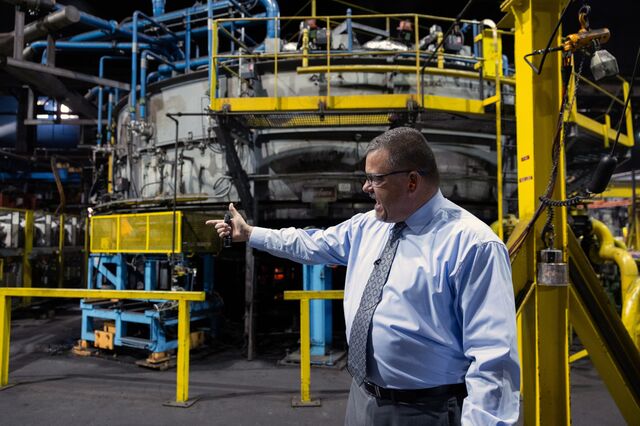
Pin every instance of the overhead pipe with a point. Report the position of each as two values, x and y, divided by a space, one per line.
93 46
138 24
272 10
170 16
53 22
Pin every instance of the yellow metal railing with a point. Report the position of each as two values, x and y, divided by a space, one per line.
604 130
305 341
325 64
182 297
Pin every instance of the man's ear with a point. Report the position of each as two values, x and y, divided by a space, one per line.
413 181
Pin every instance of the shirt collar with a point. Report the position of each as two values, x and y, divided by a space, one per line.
425 213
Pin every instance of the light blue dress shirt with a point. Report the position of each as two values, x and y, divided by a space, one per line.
447 312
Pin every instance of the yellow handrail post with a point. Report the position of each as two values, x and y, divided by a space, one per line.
628 113
60 252
305 353
416 29
5 329
328 76
305 47
182 373
498 71
26 255
276 47
440 51
305 341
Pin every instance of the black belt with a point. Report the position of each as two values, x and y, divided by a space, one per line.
410 396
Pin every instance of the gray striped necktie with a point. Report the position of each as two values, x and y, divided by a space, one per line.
357 361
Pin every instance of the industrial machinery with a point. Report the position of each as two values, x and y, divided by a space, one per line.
41 249
137 252
230 102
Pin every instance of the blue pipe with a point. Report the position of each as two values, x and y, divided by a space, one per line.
134 55
111 27
143 78
272 9
64 175
100 94
349 31
134 68
92 46
181 65
158 7
187 41
98 34
209 36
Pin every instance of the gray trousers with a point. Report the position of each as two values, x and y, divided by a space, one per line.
364 409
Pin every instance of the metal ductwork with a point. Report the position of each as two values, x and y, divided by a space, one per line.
53 22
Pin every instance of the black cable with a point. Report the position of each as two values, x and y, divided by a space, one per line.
626 104
553 35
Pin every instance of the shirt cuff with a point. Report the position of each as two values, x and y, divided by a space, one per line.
258 237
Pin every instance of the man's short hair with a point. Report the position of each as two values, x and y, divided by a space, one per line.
408 150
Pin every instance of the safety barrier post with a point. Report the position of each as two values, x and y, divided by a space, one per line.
182 378
305 341
5 329
183 298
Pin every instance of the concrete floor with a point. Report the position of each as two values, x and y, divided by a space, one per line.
53 387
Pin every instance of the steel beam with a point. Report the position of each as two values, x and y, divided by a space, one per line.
11 63
544 325
602 333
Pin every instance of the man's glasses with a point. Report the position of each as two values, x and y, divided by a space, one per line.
376 179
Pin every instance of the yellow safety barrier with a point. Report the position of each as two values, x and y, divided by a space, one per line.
305 341
183 298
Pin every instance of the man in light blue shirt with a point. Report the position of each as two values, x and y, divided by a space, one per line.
441 343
